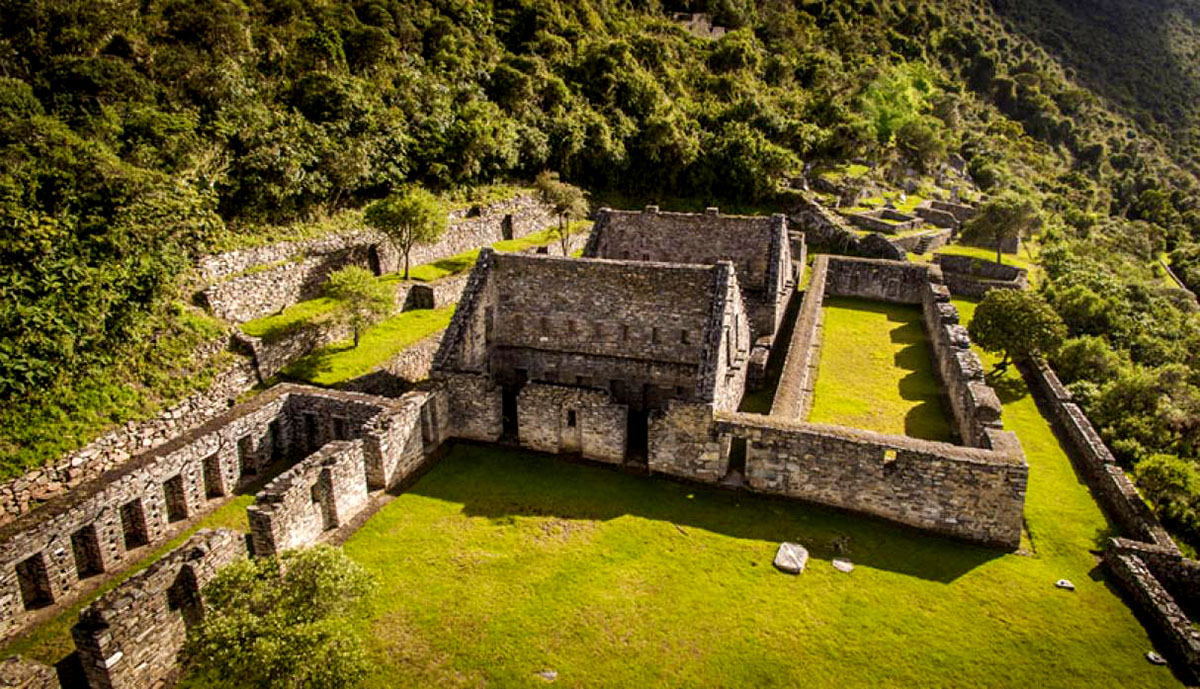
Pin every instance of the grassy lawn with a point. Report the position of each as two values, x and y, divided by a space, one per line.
343 361
498 565
876 371
51 642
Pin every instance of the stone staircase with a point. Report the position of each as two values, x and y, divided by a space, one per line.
923 245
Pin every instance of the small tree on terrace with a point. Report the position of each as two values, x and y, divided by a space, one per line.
1004 217
410 217
567 200
280 622
361 299
1018 323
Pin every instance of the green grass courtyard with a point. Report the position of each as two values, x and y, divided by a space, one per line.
876 371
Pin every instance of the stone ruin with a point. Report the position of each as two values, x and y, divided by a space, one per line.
627 357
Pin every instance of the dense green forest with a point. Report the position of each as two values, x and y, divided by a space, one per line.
136 136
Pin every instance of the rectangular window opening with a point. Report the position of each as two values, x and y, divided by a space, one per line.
85 545
245 447
133 524
571 418
34 581
341 427
311 441
176 499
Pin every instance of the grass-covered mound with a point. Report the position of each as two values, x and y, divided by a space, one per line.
876 371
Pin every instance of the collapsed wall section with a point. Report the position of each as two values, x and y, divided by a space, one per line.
130 637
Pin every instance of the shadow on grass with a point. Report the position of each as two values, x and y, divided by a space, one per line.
504 484
308 367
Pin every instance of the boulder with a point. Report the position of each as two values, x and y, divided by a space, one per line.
791 558
841 564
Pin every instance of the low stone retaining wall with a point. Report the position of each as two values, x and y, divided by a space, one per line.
276 276
1113 490
969 493
878 221
130 637
924 242
973 277
22 494
825 231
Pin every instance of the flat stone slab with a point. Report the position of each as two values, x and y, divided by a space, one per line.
841 564
1155 658
1065 584
791 558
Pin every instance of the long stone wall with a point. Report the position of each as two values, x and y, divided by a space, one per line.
1112 488
974 494
130 637
257 282
881 280
22 494
793 396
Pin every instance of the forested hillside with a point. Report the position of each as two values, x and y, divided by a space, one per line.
135 136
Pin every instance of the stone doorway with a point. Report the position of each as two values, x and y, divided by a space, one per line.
637 435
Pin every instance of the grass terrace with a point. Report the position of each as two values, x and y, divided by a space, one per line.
342 361
1021 260
310 311
876 371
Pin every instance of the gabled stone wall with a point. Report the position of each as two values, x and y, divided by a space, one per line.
130 637
758 247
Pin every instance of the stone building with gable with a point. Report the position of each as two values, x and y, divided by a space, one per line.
577 355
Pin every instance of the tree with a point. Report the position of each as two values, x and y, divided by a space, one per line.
361 299
1018 323
412 216
567 201
1172 484
280 622
1003 218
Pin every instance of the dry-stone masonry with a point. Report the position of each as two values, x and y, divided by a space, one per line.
758 247
257 282
19 673
627 336
20 495
974 277
130 637
100 526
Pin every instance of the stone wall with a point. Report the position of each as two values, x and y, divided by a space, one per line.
569 420
1111 487
321 493
974 277
130 637
101 525
885 220
682 443
976 407
1162 614
881 280
20 673
257 282
20 495
757 246
793 396
922 242
827 232
974 494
